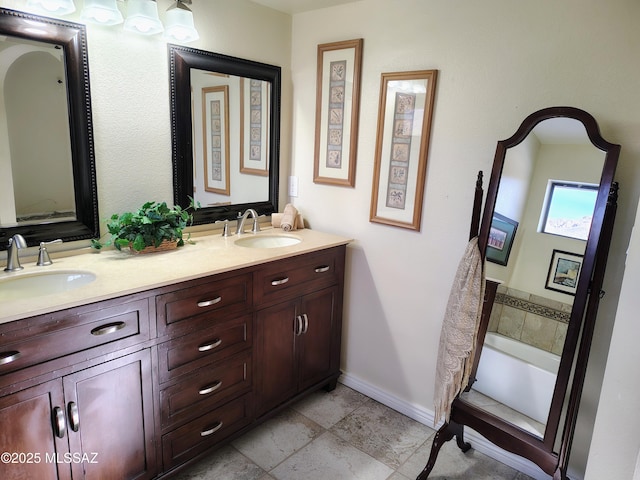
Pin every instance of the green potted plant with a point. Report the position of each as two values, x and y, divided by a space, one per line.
154 226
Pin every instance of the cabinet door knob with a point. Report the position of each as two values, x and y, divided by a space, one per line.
279 281
322 269
8 357
59 423
211 388
74 416
214 429
108 328
208 303
305 324
210 346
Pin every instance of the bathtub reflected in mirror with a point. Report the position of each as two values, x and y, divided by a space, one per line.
518 364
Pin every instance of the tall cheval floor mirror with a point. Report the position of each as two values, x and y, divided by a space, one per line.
544 238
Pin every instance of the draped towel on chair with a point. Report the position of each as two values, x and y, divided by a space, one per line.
459 331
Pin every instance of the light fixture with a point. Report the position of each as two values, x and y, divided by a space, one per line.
103 12
59 7
142 17
179 23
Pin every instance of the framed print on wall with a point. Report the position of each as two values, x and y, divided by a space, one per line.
215 135
501 236
337 112
254 126
564 271
402 147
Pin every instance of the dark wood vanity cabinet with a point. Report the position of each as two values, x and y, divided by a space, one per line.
134 387
90 417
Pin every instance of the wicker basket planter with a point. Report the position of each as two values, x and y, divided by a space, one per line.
165 246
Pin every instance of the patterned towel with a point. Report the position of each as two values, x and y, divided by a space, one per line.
459 331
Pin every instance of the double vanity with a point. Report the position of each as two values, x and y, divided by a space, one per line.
152 360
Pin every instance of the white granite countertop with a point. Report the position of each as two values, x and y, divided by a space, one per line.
121 273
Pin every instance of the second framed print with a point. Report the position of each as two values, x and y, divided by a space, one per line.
337 110
402 147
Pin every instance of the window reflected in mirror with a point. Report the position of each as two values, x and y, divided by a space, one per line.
568 209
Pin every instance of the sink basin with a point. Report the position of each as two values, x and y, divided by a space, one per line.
42 283
268 241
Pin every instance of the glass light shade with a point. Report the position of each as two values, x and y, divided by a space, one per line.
59 7
103 12
180 26
142 17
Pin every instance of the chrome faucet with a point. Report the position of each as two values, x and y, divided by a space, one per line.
241 219
13 261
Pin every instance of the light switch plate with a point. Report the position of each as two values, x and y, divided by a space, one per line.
293 186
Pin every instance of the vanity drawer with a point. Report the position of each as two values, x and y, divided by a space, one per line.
39 339
299 275
196 436
185 354
209 300
210 385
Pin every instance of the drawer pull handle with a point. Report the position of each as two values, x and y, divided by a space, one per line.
74 416
206 433
8 357
59 424
108 328
208 303
210 388
210 346
279 281
322 269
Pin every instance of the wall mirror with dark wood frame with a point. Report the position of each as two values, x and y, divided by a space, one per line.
225 122
545 234
48 182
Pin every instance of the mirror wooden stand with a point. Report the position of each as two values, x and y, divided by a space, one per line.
549 451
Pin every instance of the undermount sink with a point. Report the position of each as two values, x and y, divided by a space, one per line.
267 241
42 283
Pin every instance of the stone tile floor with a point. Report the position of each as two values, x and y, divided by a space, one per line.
342 435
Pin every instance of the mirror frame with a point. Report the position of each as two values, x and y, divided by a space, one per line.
73 39
597 244
181 61
550 453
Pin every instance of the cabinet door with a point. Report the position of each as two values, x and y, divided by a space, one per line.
33 434
317 350
277 378
110 416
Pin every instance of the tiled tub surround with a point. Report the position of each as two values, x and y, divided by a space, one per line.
531 319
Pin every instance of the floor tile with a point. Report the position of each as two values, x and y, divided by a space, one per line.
224 464
386 435
329 457
327 409
273 441
452 464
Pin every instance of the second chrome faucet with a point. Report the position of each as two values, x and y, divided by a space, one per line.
242 218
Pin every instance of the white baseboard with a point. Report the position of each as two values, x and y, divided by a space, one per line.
425 416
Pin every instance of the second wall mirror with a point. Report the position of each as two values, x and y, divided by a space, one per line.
225 122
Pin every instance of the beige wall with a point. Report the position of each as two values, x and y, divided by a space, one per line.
499 60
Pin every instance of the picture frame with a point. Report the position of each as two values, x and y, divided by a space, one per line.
254 127
337 112
215 136
501 236
564 272
402 146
